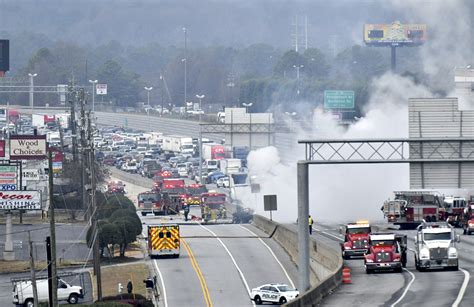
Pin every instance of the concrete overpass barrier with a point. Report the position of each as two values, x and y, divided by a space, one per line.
326 263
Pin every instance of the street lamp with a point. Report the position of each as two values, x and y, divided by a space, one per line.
185 67
247 106
148 90
31 90
290 113
298 67
94 82
200 97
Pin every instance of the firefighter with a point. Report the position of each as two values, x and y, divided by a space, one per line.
206 212
186 212
129 287
310 224
223 213
149 285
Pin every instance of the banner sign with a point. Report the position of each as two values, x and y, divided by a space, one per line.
57 167
31 174
28 147
28 200
8 187
8 171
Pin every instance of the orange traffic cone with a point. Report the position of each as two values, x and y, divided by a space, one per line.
346 276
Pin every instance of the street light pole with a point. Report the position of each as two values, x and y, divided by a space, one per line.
247 106
94 82
200 97
298 67
148 90
185 60
31 90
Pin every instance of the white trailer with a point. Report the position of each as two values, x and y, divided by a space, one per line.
230 166
178 144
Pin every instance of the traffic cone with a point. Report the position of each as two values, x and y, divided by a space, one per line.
346 276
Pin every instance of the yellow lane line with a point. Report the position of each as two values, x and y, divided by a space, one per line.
202 281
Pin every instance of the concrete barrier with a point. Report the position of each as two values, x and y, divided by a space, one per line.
326 263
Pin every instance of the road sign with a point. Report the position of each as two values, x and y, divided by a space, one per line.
339 99
255 188
28 200
269 202
101 89
7 187
57 167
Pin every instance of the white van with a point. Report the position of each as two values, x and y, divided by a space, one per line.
23 292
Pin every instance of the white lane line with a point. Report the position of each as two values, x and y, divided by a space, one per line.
165 298
406 289
329 234
273 254
467 276
242 277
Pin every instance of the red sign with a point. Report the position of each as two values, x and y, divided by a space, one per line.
2 148
57 154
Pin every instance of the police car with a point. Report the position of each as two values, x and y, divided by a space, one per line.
273 293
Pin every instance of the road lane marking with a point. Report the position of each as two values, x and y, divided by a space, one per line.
273 254
242 277
197 269
467 276
406 288
165 297
329 234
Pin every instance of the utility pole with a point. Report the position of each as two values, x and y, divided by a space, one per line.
185 60
52 226
84 155
71 98
32 271
96 248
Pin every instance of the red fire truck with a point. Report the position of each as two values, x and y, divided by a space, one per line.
356 239
213 206
468 217
410 208
152 202
175 192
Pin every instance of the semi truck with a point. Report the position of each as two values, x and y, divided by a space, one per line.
410 208
387 251
230 166
356 239
213 151
41 120
178 144
163 240
435 246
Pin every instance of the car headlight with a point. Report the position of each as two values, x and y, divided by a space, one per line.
424 253
347 247
471 224
452 252
369 260
396 259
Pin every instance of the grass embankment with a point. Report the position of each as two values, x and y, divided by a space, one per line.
113 275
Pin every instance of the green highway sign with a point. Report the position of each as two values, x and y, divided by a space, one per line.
339 99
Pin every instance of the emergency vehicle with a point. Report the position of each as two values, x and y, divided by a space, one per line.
468 218
387 251
116 187
356 239
163 240
193 193
454 209
152 202
213 206
410 208
273 293
175 192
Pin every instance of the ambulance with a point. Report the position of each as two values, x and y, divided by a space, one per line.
163 240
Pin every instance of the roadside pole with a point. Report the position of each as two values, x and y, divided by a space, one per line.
200 150
8 252
32 270
52 226
303 231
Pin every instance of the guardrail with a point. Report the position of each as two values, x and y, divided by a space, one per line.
326 263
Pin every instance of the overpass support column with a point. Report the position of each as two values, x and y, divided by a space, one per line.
303 231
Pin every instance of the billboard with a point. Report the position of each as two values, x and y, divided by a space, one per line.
28 200
28 147
101 89
394 34
4 55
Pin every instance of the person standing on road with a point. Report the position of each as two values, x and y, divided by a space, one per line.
186 212
310 223
129 287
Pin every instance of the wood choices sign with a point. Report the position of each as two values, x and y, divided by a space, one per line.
28 147
15 200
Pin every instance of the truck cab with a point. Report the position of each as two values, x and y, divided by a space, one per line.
435 246
356 236
468 219
387 251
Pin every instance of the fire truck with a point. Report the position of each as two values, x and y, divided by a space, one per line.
116 187
194 192
468 217
158 179
454 210
175 192
356 237
213 206
387 251
163 240
152 202
410 208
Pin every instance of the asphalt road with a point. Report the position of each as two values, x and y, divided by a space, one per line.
410 288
